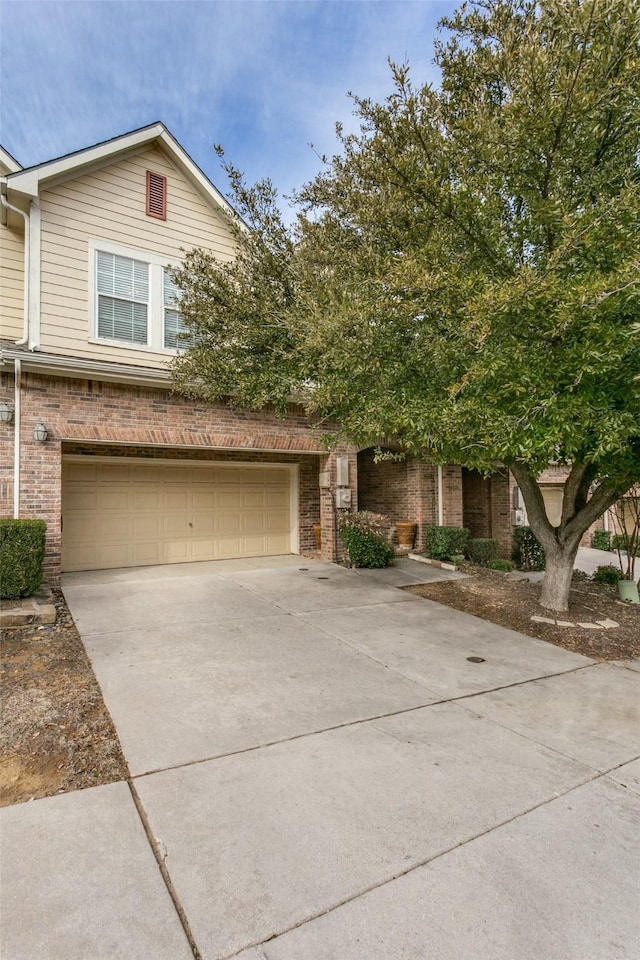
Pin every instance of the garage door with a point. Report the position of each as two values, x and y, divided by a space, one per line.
126 514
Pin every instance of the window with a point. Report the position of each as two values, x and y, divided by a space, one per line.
134 302
176 334
123 297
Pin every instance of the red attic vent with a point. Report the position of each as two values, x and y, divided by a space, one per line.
156 195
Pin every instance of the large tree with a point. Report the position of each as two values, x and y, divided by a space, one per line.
462 275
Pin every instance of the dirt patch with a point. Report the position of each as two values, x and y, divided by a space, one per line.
509 603
56 734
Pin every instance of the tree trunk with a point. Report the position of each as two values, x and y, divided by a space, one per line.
557 577
561 543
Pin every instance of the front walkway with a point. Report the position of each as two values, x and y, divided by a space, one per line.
319 771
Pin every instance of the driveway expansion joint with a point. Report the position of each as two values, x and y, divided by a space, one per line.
361 721
411 869
160 854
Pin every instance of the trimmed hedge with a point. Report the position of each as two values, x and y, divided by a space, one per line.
365 539
601 540
482 549
21 557
528 553
443 543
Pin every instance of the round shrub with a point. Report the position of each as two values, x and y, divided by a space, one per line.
607 574
580 576
365 538
21 557
498 564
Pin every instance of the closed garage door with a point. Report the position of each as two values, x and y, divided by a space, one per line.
126 514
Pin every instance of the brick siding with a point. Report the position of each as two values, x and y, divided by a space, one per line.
97 418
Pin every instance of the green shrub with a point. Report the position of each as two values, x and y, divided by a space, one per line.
482 549
498 564
619 542
21 557
458 558
527 551
601 540
580 576
442 543
365 538
607 574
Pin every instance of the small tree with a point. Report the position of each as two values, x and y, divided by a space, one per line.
627 520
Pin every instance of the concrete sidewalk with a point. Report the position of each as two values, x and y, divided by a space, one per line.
319 771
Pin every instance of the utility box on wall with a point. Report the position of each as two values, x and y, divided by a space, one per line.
342 471
343 499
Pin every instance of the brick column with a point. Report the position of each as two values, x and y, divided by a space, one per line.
500 505
332 549
422 492
452 495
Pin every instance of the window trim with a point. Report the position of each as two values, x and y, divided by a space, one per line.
155 307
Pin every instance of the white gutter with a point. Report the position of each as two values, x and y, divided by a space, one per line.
16 438
52 364
25 317
440 499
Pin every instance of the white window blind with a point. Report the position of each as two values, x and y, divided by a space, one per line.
176 334
123 297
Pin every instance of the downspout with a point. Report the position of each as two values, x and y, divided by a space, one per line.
440 499
25 217
16 438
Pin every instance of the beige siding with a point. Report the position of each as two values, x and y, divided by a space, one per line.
11 283
109 205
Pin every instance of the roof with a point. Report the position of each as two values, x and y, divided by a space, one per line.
8 163
30 180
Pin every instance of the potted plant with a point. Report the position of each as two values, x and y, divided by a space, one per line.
627 543
406 532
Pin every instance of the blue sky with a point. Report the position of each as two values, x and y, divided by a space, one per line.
264 79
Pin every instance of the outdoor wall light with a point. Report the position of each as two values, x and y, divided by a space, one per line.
40 433
6 413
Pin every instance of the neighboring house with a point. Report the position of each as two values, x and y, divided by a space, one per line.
94 441
551 482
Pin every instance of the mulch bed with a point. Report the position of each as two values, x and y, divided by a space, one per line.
56 734
509 603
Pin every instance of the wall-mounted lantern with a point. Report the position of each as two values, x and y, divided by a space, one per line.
40 433
6 413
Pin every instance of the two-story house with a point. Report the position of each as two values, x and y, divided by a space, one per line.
94 441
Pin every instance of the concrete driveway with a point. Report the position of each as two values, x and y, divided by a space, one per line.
319 772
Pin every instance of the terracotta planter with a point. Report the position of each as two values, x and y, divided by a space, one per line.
317 532
406 533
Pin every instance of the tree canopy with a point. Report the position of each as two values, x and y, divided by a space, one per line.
463 275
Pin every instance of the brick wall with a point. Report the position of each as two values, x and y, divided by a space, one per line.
487 506
92 417
408 491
